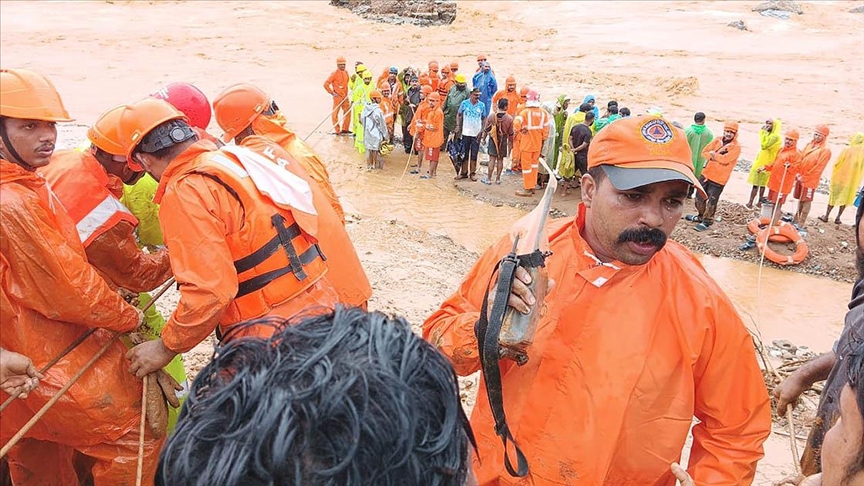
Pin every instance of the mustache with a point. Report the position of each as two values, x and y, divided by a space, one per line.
45 146
642 236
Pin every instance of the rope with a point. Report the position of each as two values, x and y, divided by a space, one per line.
140 472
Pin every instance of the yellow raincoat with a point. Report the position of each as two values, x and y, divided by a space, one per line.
359 98
770 143
847 173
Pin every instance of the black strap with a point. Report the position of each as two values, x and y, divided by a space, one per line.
258 256
259 281
285 238
534 259
488 331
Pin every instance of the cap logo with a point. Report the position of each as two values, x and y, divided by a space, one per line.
657 131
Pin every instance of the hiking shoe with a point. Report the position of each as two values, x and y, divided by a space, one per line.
693 218
525 192
701 227
747 245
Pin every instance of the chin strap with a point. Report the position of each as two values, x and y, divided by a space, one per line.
10 148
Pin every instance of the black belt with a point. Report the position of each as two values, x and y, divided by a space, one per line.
488 331
283 239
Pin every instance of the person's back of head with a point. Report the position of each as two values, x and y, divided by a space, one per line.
345 398
503 104
585 107
625 112
613 110
589 117
699 117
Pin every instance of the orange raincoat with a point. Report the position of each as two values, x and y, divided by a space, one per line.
419 122
345 271
337 86
49 296
106 227
514 99
302 153
814 159
207 230
610 390
536 121
433 127
720 167
777 168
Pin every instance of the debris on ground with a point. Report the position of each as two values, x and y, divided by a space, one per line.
738 24
778 6
397 12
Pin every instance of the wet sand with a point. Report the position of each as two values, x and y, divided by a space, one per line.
417 239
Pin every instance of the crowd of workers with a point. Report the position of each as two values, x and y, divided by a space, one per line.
437 109
306 387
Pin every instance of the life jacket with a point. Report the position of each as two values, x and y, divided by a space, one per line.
82 186
275 256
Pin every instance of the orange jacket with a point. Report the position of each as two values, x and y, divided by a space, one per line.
433 128
719 168
105 226
536 120
337 83
386 106
419 121
791 156
344 269
302 153
220 230
814 159
444 87
49 296
512 96
610 390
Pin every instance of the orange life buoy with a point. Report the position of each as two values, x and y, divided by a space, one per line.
759 224
787 231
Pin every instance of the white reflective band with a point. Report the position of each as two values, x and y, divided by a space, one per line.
230 164
527 171
99 216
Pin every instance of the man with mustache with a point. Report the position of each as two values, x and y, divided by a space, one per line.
634 338
830 366
49 297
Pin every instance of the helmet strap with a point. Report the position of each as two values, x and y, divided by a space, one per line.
11 149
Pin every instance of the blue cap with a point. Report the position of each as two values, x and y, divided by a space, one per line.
394 70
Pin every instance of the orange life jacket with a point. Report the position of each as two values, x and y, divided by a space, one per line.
275 256
81 184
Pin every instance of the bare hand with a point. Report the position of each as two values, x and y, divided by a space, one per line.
793 480
17 374
787 392
149 357
521 298
681 475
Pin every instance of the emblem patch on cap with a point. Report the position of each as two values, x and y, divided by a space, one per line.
657 131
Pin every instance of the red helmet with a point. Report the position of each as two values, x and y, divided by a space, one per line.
188 99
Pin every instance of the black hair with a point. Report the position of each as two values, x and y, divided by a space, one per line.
503 103
611 103
613 109
342 398
597 173
699 117
589 115
624 111
585 107
855 380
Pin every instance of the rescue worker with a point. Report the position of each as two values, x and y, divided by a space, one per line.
454 68
532 124
268 126
193 103
721 155
243 234
386 105
783 171
509 92
238 112
336 85
814 159
642 370
434 77
447 81
90 185
846 177
50 297
359 98
407 109
698 136
354 83
418 125
769 144
433 134
516 154
453 100
18 376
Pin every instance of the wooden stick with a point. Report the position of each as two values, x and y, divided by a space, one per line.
792 440
17 437
74 344
141 431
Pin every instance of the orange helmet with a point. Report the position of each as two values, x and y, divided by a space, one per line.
481 57
190 100
105 133
237 106
454 66
445 69
523 91
434 96
426 89
139 119
375 94
433 65
510 80
340 60
30 96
